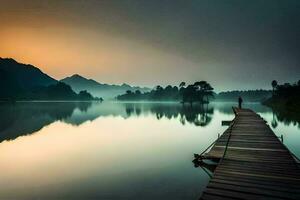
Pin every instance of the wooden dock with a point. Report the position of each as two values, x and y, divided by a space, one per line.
252 163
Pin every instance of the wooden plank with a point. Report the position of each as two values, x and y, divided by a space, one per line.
239 195
252 190
256 184
256 165
215 197
257 181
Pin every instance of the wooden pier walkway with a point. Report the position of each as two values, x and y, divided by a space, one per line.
253 163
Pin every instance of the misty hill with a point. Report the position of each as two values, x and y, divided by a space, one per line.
58 91
106 91
25 82
248 95
23 75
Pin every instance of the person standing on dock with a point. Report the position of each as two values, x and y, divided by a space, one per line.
240 102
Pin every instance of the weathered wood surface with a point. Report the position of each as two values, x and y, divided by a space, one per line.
256 165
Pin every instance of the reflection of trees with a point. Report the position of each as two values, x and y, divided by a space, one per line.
132 108
138 111
287 117
198 115
25 118
83 106
274 122
129 109
279 115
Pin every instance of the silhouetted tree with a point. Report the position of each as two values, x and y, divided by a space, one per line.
182 84
84 95
274 85
203 90
181 89
159 88
190 94
286 98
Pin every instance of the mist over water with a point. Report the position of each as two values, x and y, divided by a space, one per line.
84 150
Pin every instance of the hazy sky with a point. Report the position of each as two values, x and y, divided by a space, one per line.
233 44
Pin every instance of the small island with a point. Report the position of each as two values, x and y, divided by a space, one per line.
199 92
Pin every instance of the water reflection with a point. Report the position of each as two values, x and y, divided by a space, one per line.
282 116
226 107
288 118
199 115
112 150
25 118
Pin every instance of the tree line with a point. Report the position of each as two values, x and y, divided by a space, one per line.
200 92
247 95
57 91
285 97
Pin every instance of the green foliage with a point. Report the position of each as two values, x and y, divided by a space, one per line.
84 95
59 91
198 92
286 97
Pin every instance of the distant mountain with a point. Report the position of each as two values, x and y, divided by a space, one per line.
25 76
105 91
247 96
58 91
25 82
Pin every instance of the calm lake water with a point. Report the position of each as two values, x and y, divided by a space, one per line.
68 150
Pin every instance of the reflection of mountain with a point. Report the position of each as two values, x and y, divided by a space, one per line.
197 115
25 118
